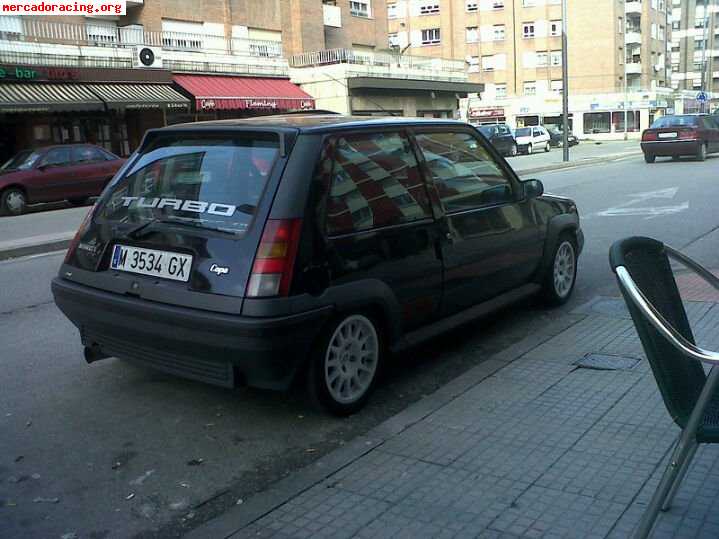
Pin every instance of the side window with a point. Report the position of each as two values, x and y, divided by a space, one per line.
86 154
503 130
57 157
375 181
465 174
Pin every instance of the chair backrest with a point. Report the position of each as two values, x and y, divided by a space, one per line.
680 379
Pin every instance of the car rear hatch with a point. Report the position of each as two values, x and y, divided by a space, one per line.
182 222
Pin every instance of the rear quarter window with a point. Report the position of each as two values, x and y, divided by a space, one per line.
375 182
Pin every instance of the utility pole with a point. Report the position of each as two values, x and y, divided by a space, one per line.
565 86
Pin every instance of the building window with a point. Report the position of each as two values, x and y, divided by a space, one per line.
528 29
498 32
471 6
529 3
472 33
530 87
555 58
661 33
473 62
555 28
597 122
498 4
500 91
360 8
393 40
429 8
488 63
556 86
430 36
392 11
541 59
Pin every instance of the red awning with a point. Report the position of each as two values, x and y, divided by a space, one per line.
231 93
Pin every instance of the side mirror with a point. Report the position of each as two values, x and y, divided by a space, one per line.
533 188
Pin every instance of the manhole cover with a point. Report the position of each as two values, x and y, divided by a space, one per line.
604 362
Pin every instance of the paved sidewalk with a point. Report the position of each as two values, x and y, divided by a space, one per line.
528 444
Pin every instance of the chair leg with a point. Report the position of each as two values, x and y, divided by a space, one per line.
683 468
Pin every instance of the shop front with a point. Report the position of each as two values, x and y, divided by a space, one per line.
108 107
217 97
486 115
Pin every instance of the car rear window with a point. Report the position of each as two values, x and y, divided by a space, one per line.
524 132
211 181
675 121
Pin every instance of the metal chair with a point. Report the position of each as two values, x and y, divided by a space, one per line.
647 283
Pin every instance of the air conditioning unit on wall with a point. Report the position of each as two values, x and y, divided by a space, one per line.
147 58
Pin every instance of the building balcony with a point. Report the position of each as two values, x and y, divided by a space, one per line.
36 41
633 7
332 15
632 37
633 68
382 65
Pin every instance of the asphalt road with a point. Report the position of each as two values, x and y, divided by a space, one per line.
113 450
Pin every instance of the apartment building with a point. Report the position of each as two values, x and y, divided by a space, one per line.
617 53
107 80
694 52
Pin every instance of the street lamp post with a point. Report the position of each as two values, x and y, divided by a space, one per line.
565 86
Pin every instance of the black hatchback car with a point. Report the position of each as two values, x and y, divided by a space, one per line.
500 136
264 250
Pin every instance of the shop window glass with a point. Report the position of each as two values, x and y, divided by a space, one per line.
375 182
632 121
596 122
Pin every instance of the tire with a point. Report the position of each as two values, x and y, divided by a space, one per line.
78 201
561 276
649 158
345 364
702 152
529 148
547 147
513 150
675 158
13 201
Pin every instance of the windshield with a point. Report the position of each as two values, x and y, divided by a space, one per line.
675 121
524 132
22 161
210 181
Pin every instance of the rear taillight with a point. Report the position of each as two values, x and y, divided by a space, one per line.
649 135
688 133
79 234
275 259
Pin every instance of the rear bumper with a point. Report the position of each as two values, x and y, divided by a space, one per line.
670 148
216 348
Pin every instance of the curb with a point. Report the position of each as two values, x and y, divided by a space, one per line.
576 164
34 248
239 517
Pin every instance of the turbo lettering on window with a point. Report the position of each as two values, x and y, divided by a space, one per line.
194 206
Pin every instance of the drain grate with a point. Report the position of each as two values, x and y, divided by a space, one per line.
605 362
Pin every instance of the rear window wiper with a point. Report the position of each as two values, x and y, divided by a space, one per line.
145 228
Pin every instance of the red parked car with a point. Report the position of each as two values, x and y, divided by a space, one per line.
683 134
73 172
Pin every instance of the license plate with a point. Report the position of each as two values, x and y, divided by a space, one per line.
152 262
667 135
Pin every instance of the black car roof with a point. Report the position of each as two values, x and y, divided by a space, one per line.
312 122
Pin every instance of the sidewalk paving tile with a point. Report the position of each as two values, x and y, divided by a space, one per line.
540 448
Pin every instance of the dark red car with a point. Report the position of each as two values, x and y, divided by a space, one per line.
73 172
683 134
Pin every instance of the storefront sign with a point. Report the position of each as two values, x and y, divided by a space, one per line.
21 73
260 104
486 113
207 104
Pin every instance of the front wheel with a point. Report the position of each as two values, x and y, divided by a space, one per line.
345 364
562 274
649 158
702 152
547 148
513 150
13 201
